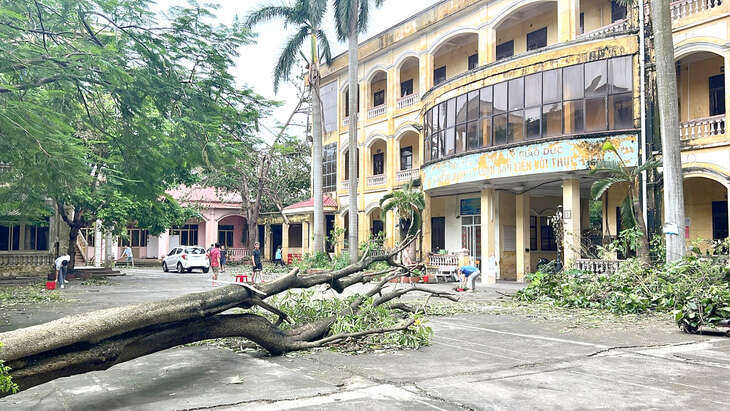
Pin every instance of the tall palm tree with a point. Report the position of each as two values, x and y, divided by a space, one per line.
351 19
306 16
618 173
407 205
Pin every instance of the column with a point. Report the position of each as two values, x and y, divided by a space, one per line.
571 220
284 241
426 244
727 96
487 45
489 233
98 250
306 234
568 19
211 230
340 223
425 72
163 244
391 161
265 243
391 90
522 220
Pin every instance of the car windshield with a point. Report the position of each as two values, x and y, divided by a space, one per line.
195 250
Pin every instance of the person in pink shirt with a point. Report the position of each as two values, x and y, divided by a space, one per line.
215 261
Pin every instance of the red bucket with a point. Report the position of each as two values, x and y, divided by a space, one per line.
50 285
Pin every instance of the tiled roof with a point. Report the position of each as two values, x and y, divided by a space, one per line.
328 202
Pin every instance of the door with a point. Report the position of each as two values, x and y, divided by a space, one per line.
438 234
471 235
719 220
275 238
329 227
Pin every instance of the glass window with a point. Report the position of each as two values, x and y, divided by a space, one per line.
406 158
435 118
449 140
435 148
461 109
378 164
473 110
500 98
486 129
573 115
406 88
595 114
379 98
427 147
473 135
295 235
451 113
552 120
517 93
552 86
621 111
516 123
547 235
537 39
442 115
533 90
533 233
506 49
439 75
596 78
485 97
473 61
717 94
618 11
620 74
532 122
460 138
500 129
573 82
329 166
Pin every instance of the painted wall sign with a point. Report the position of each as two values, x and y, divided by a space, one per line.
541 158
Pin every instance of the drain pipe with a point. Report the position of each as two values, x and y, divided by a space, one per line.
642 98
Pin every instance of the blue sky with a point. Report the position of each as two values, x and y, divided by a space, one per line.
255 66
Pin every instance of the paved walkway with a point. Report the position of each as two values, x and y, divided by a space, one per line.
476 361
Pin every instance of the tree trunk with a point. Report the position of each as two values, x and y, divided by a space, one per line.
644 240
73 235
317 127
353 157
669 128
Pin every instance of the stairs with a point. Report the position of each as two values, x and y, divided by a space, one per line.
79 257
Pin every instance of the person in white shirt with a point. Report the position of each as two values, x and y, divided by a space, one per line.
129 256
61 264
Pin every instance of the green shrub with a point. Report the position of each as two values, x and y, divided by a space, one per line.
6 381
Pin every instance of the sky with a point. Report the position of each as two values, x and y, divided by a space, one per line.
256 63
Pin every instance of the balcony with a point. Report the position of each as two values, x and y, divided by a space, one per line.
408 100
405 176
702 127
686 8
346 185
377 180
376 111
615 27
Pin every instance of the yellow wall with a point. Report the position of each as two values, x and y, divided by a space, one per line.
456 59
518 32
699 193
694 84
596 14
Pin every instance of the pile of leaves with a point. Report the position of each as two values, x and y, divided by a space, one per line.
695 290
28 294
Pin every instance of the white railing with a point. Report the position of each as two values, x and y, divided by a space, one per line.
346 184
405 176
443 260
702 127
684 8
598 267
26 258
237 254
615 27
83 246
376 111
408 100
376 180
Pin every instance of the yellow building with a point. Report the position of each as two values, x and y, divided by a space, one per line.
501 107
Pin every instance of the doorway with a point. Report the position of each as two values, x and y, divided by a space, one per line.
438 234
329 227
275 238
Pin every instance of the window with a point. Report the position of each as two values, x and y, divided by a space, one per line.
28 237
719 220
377 227
136 238
717 95
347 102
439 75
378 98
582 28
329 168
225 235
533 233
378 164
537 39
188 234
406 158
473 61
506 49
406 88
547 236
533 104
295 235
618 11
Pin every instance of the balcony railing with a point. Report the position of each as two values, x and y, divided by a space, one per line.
702 127
378 180
376 111
346 184
27 258
405 176
239 254
408 100
598 267
684 8
615 27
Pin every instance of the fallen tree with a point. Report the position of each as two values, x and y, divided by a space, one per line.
101 339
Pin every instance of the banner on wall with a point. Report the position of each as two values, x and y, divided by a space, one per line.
328 94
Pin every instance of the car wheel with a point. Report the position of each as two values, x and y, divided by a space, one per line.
179 268
190 270
205 270
164 267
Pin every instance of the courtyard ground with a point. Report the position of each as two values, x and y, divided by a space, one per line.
491 355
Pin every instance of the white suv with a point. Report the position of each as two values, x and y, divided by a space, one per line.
185 259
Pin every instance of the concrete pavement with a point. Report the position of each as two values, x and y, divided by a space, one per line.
489 360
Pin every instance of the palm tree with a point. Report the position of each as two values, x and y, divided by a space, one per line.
351 19
618 173
407 205
306 16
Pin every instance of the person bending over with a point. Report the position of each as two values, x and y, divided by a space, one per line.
468 274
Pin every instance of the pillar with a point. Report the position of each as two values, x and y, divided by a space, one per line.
489 233
211 230
522 220
98 250
571 221
391 90
265 243
163 244
568 19
284 241
426 244
425 72
487 45
306 234
727 95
